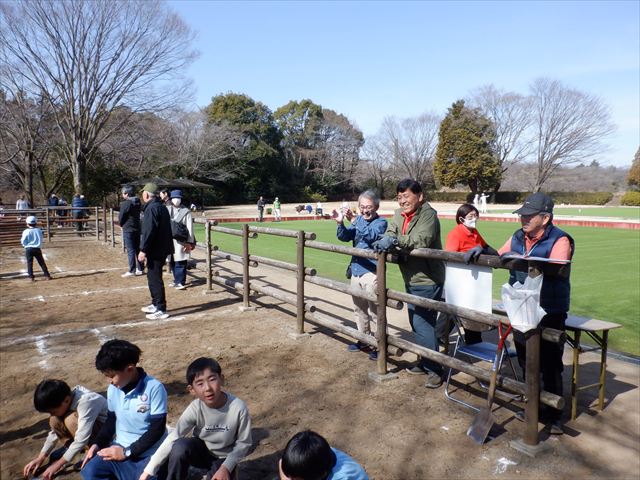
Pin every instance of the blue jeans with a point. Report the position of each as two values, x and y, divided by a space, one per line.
97 468
132 244
180 272
423 322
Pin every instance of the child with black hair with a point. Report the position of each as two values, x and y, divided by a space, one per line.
136 418
76 415
308 456
221 429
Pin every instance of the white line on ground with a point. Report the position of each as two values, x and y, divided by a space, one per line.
100 330
41 346
68 272
84 293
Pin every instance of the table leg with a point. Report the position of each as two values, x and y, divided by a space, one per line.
574 376
603 366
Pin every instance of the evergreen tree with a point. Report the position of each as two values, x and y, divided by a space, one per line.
466 151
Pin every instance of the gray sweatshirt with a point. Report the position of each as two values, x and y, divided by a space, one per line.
226 431
90 407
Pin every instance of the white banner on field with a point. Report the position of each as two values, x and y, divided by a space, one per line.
469 286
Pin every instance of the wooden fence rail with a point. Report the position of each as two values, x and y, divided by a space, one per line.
307 311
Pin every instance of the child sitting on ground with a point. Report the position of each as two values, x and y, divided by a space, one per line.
76 415
136 418
221 429
32 241
308 456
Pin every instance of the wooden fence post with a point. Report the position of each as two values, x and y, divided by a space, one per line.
104 222
113 228
97 224
381 312
300 282
207 227
245 265
48 225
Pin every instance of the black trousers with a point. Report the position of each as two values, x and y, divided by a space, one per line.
156 285
36 253
551 365
191 452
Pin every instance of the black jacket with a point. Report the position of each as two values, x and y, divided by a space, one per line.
129 217
156 240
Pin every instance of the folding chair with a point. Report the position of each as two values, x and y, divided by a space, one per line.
485 351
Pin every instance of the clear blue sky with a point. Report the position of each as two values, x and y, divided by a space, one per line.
367 60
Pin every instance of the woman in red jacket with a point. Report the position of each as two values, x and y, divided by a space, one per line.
466 238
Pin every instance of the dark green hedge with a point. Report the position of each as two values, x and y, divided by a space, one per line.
574 198
631 199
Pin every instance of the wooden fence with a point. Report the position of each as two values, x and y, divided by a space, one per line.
307 311
97 223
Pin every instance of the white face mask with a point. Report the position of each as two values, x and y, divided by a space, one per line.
469 223
176 202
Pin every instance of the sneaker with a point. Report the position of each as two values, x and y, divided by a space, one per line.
356 347
127 274
555 428
149 309
48 277
416 370
433 380
138 273
171 284
373 355
180 286
157 315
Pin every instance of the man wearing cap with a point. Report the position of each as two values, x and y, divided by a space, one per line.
180 214
538 237
129 221
156 243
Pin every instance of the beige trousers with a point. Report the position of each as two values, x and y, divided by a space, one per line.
365 311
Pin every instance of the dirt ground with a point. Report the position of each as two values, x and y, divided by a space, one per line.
396 430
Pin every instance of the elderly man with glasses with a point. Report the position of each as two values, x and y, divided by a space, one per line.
363 231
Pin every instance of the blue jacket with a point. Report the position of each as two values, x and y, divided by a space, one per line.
79 202
362 233
31 237
556 291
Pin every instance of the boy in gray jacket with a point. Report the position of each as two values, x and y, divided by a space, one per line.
76 415
221 429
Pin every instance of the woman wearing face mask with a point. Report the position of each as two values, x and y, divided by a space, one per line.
466 238
180 214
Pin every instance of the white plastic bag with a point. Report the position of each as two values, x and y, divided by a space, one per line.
522 303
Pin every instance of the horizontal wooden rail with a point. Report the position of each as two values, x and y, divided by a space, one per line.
330 247
281 232
507 383
232 231
231 257
280 264
345 288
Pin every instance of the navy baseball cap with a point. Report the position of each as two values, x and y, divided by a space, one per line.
535 204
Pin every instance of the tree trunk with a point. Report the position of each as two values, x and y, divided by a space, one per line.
79 171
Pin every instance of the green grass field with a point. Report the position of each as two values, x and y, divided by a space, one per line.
605 279
623 213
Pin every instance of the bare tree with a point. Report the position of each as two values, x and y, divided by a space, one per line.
568 127
88 58
207 150
411 144
511 115
376 158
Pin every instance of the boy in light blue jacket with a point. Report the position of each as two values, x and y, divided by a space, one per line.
32 241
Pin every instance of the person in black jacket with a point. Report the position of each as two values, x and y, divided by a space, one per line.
129 221
156 243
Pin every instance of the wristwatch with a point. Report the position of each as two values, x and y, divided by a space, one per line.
127 452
